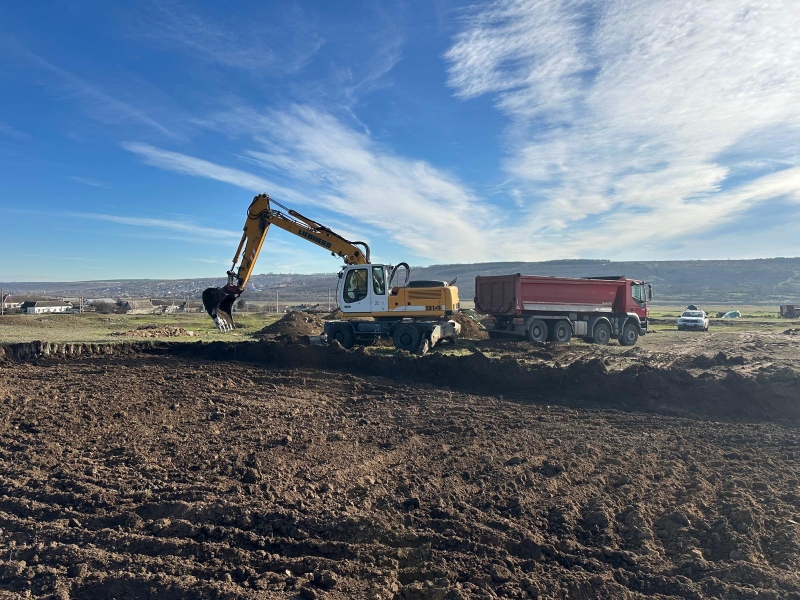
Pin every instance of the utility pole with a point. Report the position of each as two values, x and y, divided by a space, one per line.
277 310
2 302
329 299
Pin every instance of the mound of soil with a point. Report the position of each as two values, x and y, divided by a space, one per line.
293 324
703 361
470 328
156 331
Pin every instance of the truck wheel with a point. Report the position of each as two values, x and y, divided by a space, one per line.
537 331
343 333
407 337
601 334
630 333
562 331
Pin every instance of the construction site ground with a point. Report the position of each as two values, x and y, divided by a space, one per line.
492 469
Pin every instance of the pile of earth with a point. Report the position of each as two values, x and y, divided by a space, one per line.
470 328
155 331
792 331
293 324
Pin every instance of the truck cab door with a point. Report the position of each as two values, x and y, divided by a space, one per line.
355 293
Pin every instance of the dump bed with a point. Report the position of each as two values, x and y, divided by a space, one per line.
516 294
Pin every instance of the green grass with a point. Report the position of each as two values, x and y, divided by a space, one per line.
94 327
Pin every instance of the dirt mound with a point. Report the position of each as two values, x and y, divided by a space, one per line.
703 361
293 323
794 331
470 328
156 331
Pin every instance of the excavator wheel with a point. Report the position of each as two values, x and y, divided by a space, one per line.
342 333
407 337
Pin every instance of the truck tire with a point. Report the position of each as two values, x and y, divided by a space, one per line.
562 331
344 334
601 333
630 333
407 337
537 331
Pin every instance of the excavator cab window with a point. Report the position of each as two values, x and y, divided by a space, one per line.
378 281
355 285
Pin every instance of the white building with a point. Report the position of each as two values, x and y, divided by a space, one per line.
48 306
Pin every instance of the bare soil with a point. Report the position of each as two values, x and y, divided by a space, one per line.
470 328
261 470
156 331
294 325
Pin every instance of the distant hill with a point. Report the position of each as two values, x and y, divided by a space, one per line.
769 281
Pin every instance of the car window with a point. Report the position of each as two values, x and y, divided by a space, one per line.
692 313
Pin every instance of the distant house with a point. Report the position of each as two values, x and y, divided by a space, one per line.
9 302
12 302
46 306
137 306
192 306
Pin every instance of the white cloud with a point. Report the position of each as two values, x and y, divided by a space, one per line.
375 192
189 165
98 103
8 131
630 119
195 231
89 182
279 42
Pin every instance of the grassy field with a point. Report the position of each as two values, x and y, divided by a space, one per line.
94 327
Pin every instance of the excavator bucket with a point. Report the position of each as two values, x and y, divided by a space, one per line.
219 304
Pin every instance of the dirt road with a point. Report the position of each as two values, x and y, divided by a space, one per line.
580 472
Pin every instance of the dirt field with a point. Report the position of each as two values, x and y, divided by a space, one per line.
495 470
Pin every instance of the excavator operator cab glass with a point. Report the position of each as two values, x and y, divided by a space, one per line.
355 285
378 281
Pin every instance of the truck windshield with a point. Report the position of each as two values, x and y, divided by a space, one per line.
638 292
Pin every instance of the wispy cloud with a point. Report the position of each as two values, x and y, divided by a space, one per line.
328 164
8 131
250 41
98 103
196 231
198 167
637 122
89 182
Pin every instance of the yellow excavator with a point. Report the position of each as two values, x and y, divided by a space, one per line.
415 315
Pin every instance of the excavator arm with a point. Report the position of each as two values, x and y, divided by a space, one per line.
218 302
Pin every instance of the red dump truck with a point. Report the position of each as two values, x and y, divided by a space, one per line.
597 309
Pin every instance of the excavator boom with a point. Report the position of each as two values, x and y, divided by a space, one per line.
218 302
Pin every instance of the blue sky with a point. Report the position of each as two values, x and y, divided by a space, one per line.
133 137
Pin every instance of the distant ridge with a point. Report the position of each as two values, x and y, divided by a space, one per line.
768 281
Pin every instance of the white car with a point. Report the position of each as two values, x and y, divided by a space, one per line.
693 319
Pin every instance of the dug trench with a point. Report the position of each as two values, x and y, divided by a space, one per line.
265 470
